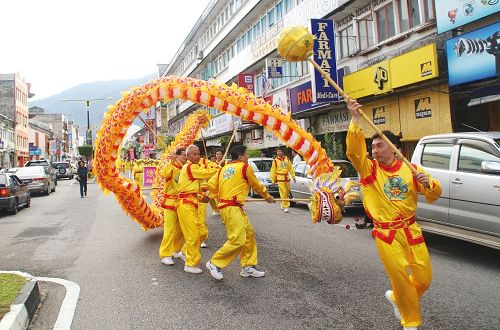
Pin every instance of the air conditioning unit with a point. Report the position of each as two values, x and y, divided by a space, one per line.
257 134
200 55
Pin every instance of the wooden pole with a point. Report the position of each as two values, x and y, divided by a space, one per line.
231 140
204 145
151 130
280 200
346 97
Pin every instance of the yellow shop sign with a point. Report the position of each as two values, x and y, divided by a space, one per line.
406 69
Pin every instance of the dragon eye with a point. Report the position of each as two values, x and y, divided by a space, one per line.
337 197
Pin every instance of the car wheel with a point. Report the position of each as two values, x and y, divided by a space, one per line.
28 202
15 208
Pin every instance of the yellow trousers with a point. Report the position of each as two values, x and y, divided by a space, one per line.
398 258
172 234
188 220
284 189
240 239
213 205
202 221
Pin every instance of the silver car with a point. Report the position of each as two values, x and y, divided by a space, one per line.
38 179
262 168
301 188
468 167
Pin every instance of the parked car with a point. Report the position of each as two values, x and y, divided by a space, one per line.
45 163
64 170
37 178
262 168
13 193
468 167
301 187
11 170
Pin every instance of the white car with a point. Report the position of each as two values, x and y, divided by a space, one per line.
262 168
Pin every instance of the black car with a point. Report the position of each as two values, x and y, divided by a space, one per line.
45 163
13 193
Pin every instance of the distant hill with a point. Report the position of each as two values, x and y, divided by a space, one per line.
94 90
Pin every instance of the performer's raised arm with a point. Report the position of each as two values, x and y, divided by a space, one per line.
356 145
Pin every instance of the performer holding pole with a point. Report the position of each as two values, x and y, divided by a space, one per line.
172 233
232 185
187 207
281 171
390 192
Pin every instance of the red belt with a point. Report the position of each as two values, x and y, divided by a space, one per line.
169 207
229 202
184 197
168 196
398 224
283 180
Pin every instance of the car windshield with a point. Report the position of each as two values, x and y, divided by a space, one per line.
261 165
27 171
12 170
38 163
61 165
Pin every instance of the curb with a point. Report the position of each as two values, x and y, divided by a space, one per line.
23 309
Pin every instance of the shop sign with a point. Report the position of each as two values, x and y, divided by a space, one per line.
148 176
406 69
268 140
335 121
451 14
301 98
274 67
279 100
379 115
324 55
218 125
246 80
423 108
474 55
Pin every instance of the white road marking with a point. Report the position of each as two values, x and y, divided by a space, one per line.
68 306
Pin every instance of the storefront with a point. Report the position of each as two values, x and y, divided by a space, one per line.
397 95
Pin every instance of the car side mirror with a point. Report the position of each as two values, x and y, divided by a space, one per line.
490 167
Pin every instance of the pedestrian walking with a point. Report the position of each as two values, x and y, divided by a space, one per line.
281 172
390 192
82 173
232 184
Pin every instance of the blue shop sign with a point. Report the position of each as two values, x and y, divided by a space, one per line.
451 14
474 55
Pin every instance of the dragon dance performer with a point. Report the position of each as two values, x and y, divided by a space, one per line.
202 207
172 234
281 171
390 198
232 184
220 162
187 206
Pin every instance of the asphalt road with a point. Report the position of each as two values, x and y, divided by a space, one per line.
317 276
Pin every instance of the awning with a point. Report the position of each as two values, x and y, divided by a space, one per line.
485 95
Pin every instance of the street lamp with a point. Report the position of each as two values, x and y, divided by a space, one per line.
87 102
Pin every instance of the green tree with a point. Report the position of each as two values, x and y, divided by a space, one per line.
86 151
254 152
334 149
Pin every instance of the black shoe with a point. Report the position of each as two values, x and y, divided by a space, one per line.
81 196
85 193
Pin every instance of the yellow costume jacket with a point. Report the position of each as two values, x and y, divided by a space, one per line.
232 184
389 192
190 179
281 170
171 173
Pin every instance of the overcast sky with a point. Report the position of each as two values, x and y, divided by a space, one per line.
57 44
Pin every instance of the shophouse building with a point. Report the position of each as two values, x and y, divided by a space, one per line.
389 55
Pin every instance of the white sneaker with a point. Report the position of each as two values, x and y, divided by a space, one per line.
203 244
192 270
251 271
410 328
388 296
214 271
167 261
215 213
285 210
180 255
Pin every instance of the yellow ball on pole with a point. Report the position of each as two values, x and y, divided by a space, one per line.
295 44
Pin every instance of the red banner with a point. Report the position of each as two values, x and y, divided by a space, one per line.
247 80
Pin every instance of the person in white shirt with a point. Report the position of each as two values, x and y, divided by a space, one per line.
296 157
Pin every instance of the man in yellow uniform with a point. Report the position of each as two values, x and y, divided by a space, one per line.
172 234
390 199
232 184
220 162
187 206
202 206
281 171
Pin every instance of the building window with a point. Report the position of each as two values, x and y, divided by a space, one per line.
279 10
347 42
271 18
249 37
385 22
365 31
263 24
428 10
414 13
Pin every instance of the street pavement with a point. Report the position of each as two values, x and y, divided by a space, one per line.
317 276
